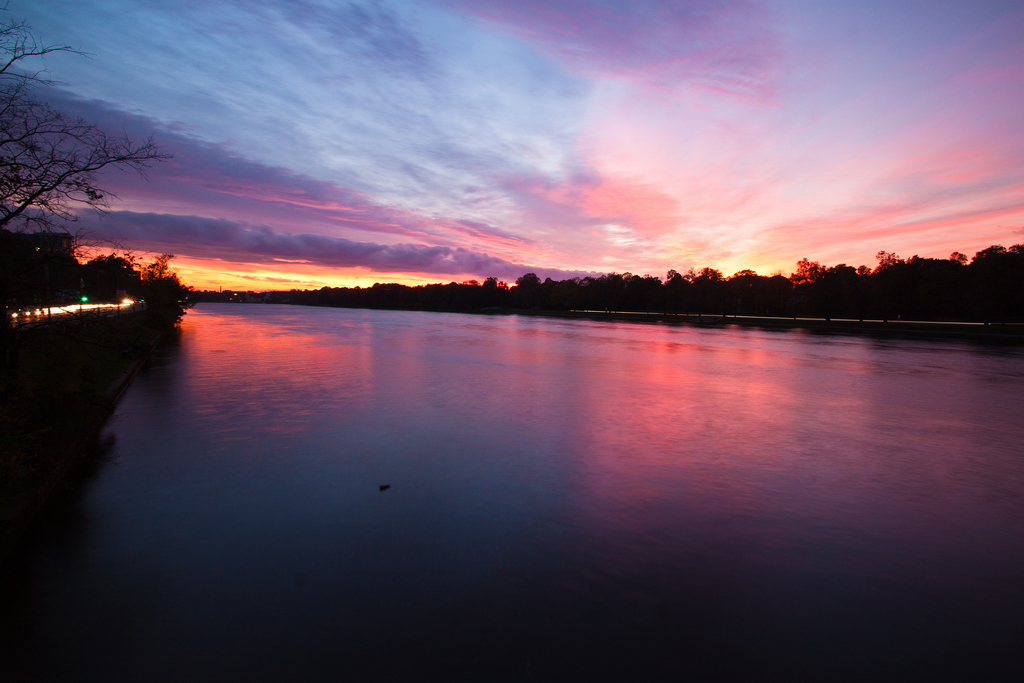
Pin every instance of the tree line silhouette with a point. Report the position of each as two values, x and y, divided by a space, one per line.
986 288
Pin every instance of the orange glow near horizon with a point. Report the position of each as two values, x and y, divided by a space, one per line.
212 274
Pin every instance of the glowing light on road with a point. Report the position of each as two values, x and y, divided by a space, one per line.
27 316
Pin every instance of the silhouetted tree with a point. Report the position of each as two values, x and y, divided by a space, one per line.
528 291
676 294
165 295
48 172
48 160
110 277
707 294
996 283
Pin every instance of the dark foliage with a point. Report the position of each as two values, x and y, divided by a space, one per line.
989 288
165 296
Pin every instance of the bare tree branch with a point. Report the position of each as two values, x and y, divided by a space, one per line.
49 161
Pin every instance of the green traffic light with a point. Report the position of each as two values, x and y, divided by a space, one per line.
85 298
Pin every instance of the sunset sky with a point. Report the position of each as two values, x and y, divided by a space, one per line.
333 143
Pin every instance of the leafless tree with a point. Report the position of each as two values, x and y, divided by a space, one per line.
49 161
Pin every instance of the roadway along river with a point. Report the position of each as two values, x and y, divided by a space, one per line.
568 500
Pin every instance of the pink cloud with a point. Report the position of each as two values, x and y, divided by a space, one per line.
207 179
722 46
588 202
201 237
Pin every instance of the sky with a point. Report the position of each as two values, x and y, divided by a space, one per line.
319 142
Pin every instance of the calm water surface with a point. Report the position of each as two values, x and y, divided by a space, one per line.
569 500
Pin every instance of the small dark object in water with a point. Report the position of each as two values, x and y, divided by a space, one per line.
385 487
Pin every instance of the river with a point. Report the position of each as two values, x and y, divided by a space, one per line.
566 500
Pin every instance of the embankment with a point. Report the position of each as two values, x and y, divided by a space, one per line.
969 330
67 387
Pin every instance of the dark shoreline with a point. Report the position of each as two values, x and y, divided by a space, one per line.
964 330
20 509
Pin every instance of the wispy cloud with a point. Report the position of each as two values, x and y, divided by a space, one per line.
204 178
232 240
412 107
728 46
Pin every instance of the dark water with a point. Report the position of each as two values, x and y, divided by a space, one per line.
569 501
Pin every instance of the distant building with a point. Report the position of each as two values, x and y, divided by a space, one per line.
43 268
52 242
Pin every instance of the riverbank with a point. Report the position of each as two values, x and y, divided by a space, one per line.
67 387
972 330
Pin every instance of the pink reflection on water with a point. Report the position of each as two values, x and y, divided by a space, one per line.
668 437
281 376
775 447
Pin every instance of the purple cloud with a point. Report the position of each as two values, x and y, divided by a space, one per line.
206 176
233 240
210 179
